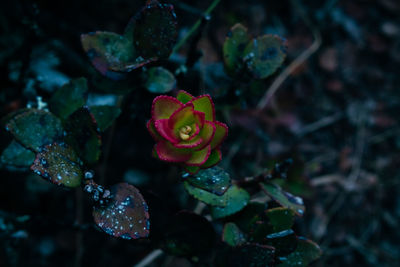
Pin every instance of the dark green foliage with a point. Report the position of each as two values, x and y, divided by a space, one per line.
237 199
105 115
235 43
232 235
15 155
159 80
205 196
305 253
252 255
280 218
214 180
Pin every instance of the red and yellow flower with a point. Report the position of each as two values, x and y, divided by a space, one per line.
186 131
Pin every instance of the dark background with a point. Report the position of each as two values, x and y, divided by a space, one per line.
336 115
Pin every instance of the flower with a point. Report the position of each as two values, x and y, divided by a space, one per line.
186 131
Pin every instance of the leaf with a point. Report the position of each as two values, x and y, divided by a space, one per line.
35 128
111 53
17 156
59 164
305 253
284 242
160 80
188 234
237 199
284 198
69 98
252 255
232 235
205 196
125 215
280 218
234 45
105 115
264 55
83 135
214 180
155 31
248 218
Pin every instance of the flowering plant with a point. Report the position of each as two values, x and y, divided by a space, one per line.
186 131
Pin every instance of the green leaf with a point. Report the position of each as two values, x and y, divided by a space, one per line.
264 55
284 242
155 31
284 198
16 155
59 164
111 53
125 215
214 180
234 45
160 80
83 135
237 199
252 255
69 98
205 196
232 235
35 128
105 115
305 253
248 218
280 218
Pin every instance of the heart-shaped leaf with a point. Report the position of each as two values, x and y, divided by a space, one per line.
284 198
83 135
15 155
232 235
214 180
234 45
236 199
305 253
264 55
105 115
69 98
35 128
160 80
125 215
58 163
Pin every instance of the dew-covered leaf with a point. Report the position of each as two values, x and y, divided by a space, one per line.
205 196
125 215
155 31
280 218
35 128
264 55
83 135
111 53
16 155
306 252
160 80
254 255
232 235
284 242
69 98
188 234
234 45
236 199
248 218
214 180
59 164
284 198
105 115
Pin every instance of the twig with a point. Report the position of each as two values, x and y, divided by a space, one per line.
320 124
295 63
149 258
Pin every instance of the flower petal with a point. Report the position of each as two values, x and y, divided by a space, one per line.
164 106
199 157
184 96
214 158
200 118
165 151
165 131
153 131
204 104
191 169
182 117
207 133
221 132
193 143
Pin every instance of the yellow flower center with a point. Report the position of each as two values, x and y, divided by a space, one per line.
184 132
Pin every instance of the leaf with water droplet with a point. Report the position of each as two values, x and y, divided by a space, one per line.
155 31
35 128
254 255
306 252
205 196
232 235
188 234
59 164
105 115
159 80
280 218
125 215
17 156
69 98
236 199
264 55
111 53
83 135
233 49
214 180
284 198
284 242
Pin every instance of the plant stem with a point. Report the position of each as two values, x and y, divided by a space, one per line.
149 258
195 26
